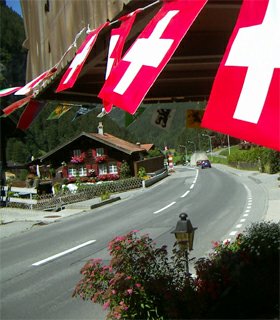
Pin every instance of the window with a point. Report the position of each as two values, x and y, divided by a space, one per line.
76 152
72 172
79 171
99 151
82 171
113 167
102 168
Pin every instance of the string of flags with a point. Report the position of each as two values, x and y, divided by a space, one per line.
244 101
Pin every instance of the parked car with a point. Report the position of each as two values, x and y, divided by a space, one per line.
205 164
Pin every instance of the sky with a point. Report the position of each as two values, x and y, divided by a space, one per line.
14 5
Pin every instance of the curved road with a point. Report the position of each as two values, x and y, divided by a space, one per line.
40 268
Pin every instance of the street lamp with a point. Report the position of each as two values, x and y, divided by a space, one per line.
184 233
193 144
206 135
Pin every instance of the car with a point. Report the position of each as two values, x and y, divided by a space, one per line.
205 164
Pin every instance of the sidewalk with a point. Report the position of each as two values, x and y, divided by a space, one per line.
270 183
14 221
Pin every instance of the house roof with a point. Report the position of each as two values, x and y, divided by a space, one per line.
147 146
117 143
107 139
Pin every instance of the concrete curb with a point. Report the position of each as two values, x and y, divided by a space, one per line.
87 205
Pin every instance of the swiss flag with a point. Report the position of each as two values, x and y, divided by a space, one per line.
27 89
244 101
70 76
117 41
131 79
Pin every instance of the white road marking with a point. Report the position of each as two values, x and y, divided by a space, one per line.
238 226
242 220
245 215
191 187
58 255
170 204
185 194
233 233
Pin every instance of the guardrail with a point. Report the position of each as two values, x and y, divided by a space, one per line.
154 179
20 195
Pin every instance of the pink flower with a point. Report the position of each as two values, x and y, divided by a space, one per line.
123 305
129 291
138 285
106 305
114 291
215 244
117 315
120 238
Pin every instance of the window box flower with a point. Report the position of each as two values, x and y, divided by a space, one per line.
100 159
78 159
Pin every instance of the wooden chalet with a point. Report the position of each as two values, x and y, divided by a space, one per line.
97 155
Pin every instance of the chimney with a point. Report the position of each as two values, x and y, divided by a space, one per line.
100 128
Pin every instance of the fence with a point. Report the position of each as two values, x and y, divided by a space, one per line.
27 198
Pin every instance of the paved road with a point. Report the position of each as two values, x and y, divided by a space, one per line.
36 284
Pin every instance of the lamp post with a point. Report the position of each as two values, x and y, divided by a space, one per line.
206 135
193 144
228 144
184 233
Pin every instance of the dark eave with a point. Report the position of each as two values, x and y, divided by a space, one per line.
189 74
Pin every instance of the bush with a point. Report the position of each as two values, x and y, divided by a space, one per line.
266 159
125 170
239 279
141 173
139 281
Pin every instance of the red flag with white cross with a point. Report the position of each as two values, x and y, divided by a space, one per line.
70 76
132 78
31 86
117 41
244 101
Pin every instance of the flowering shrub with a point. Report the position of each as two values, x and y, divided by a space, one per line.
138 282
239 279
108 177
228 282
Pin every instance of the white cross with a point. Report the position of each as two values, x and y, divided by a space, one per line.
110 62
146 52
79 58
258 48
